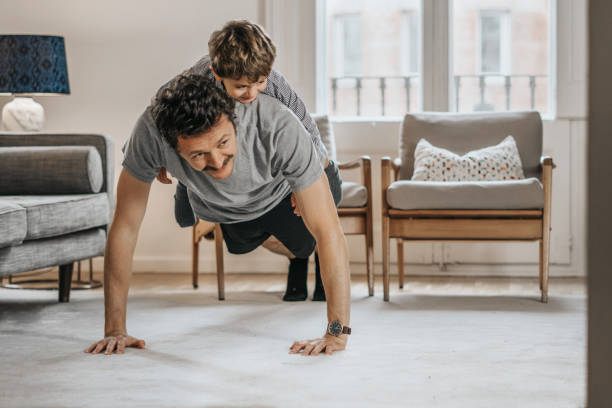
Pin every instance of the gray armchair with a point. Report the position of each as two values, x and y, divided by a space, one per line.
489 210
56 201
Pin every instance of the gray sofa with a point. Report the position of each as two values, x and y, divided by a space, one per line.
56 201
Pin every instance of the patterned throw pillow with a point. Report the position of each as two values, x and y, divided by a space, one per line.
499 162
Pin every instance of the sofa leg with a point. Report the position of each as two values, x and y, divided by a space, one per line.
65 280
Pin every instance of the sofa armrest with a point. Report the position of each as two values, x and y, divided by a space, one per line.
103 143
50 170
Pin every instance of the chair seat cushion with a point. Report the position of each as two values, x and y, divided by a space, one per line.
53 215
354 195
13 225
466 195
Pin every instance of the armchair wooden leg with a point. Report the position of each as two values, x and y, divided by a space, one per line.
65 281
369 239
219 257
544 261
400 262
541 264
195 258
386 262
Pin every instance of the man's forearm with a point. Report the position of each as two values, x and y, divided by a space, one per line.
335 273
117 275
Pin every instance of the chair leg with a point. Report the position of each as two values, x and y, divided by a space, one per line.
385 245
369 240
541 263
400 262
545 259
219 256
65 281
195 258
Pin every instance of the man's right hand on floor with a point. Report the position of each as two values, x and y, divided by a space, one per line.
115 343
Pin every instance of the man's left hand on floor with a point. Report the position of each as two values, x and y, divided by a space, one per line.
328 344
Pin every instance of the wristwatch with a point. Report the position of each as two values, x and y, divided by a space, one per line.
335 328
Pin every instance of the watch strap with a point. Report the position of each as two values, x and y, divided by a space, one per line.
346 330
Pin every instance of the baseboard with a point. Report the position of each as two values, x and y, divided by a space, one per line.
241 264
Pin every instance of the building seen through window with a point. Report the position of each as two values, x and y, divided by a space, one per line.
373 57
499 56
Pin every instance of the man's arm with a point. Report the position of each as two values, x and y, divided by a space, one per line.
316 206
132 196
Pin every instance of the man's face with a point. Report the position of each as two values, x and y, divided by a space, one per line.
212 151
243 90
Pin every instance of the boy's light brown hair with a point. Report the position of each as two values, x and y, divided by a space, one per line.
241 49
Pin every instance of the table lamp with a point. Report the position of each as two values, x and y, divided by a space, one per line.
30 65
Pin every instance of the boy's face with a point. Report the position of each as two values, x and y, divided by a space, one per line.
212 151
243 90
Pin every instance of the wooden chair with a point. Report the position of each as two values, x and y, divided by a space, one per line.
513 210
355 213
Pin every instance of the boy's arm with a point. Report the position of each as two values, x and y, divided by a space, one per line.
132 197
278 87
316 206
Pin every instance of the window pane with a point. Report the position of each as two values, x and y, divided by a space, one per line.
490 43
500 55
373 57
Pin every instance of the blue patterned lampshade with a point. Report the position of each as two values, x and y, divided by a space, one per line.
33 64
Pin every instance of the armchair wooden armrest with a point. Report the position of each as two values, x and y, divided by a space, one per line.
397 163
365 162
353 164
547 161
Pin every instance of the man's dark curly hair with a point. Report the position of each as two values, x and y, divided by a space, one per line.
188 105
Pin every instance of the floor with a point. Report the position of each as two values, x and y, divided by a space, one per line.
439 342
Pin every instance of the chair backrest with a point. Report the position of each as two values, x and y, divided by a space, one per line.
463 132
327 135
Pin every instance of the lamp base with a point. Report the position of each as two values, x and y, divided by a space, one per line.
23 114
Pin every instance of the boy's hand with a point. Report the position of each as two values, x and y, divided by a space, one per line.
162 176
117 342
327 344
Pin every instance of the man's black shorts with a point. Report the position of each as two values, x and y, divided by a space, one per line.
281 222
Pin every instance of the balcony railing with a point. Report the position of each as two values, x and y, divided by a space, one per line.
356 82
507 80
382 86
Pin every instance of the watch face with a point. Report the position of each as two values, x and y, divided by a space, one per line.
334 328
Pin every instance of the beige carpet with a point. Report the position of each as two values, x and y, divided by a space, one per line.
416 351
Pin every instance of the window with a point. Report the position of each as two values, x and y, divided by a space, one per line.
500 55
346 45
442 55
494 49
373 57
409 42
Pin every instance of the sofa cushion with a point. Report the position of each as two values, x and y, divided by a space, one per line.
13 225
50 170
353 195
466 195
49 216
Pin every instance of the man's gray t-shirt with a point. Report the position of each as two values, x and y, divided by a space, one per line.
275 156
